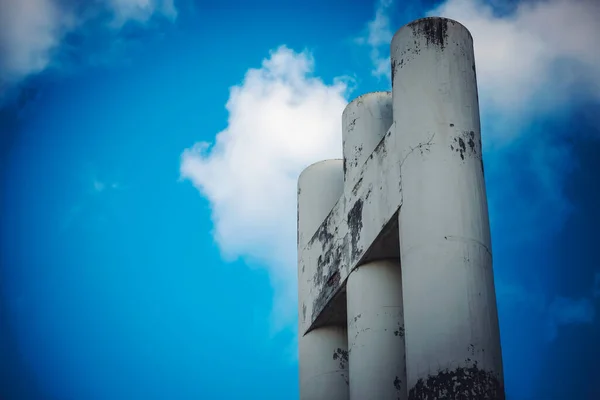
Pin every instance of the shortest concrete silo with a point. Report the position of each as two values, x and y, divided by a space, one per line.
323 351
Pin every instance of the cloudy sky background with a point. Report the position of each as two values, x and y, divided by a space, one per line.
149 154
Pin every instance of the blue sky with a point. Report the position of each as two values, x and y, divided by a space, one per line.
149 152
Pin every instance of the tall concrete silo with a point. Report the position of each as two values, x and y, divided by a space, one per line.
396 290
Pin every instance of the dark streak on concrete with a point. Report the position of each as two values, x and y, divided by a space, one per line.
303 312
469 383
352 124
357 186
355 225
461 143
435 30
369 191
345 379
333 280
471 142
393 71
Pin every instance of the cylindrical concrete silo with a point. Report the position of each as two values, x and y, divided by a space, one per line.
374 290
376 331
364 123
323 352
451 322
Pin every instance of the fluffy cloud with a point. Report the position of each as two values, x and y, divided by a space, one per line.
281 119
378 37
140 10
529 59
566 311
534 58
556 312
31 30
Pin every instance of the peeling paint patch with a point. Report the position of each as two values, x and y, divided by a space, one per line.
465 145
462 383
324 235
342 355
399 331
397 383
333 280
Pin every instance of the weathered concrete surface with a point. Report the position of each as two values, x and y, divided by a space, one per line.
376 332
419 196
451 322
323 352
364 123
354 226
324 365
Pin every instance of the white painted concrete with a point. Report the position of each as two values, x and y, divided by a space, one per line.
323 352
365 121
324 364
427 170
376 332
449 299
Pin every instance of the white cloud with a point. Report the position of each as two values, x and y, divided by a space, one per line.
31 30
378 36
535 58
281 119
560 311
532 59
140 10
565 311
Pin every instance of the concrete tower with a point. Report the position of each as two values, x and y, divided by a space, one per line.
395 280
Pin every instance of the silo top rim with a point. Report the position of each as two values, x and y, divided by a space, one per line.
417 21
370 93
362 96
318 163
